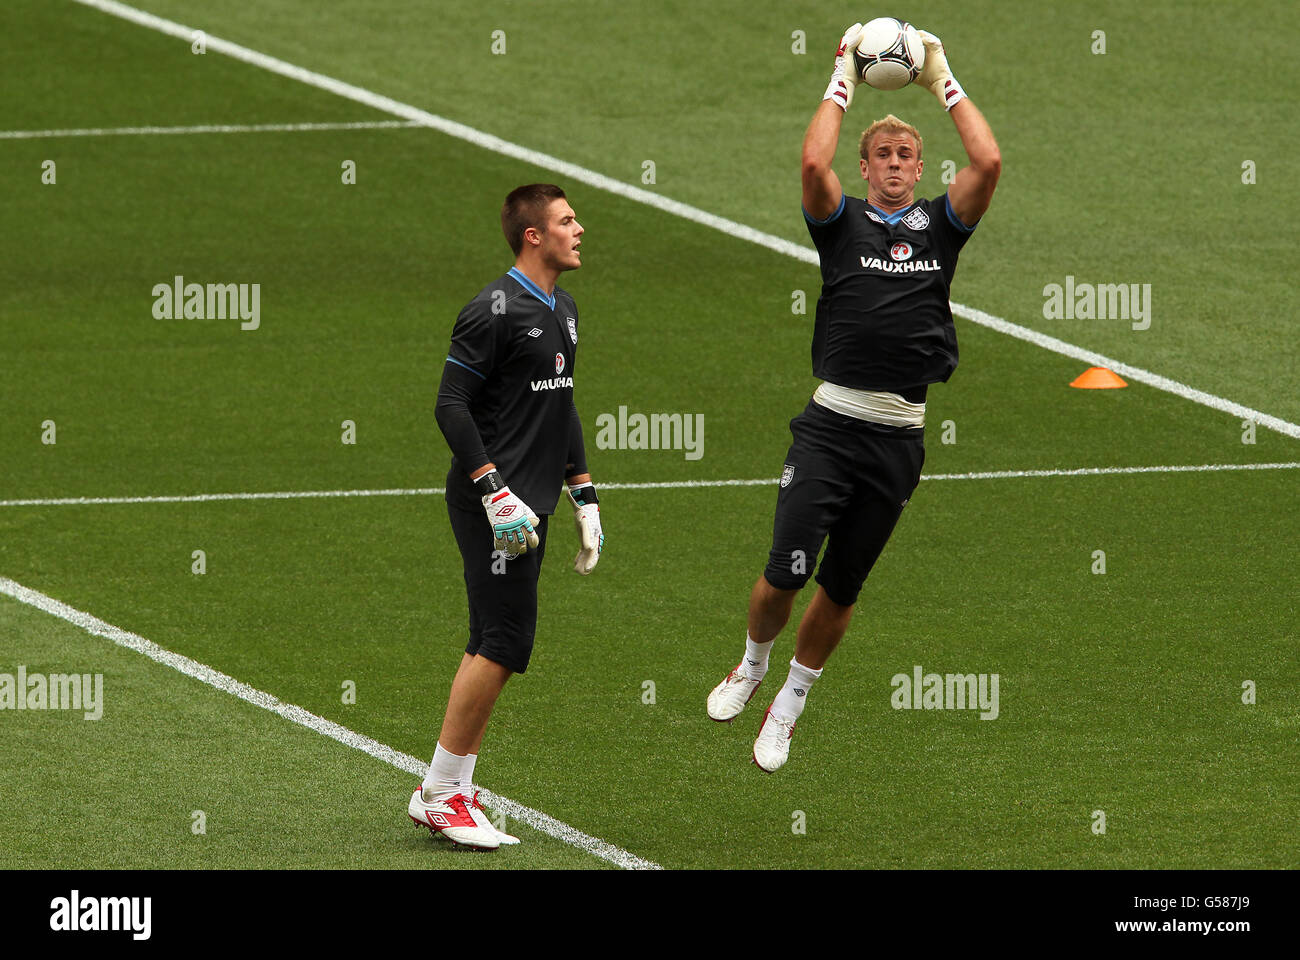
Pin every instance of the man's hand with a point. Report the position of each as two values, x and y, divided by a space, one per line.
845 78
513 524
586 517
936 74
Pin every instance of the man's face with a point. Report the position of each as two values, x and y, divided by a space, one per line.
892 166
560 241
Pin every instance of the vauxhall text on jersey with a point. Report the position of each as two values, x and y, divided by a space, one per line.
523 345
883 320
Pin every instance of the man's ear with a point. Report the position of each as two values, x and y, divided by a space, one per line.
863 164
920 165
532 236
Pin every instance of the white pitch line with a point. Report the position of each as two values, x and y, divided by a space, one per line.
1109 471
648 485
694 214
209 497
260 698
205 128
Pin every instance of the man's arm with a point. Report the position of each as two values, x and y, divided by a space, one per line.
586 505
575 472
513 523
459 388
822 192
972 190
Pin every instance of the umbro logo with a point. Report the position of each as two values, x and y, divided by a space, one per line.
798 692
872 215
437 819
535 332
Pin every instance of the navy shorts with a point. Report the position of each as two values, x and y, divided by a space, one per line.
845 481
502 591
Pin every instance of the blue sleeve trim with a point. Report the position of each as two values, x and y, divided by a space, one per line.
832 218
954 219
470 369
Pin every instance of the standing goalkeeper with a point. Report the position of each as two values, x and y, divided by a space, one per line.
883 333
505 405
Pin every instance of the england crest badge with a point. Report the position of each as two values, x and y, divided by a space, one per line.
918 219
787 475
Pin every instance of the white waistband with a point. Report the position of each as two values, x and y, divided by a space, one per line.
877 406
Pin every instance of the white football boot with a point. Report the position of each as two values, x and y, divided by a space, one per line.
481 818
452 818
728 698
772 748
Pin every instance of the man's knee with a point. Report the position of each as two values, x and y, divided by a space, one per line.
840 589
789 569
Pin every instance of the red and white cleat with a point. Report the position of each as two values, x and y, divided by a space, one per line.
728 698
772 748
452 817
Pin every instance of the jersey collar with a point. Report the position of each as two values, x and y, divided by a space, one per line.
892 218
531 287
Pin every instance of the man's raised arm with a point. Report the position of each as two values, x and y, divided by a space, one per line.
821 187
972 190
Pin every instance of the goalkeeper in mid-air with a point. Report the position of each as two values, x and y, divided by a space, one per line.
883 334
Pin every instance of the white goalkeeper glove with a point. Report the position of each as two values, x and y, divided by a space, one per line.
845 77
936 74
586 517
514 526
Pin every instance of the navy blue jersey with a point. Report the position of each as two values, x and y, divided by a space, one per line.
883 320
523 346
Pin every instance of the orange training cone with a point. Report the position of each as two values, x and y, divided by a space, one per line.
1098 378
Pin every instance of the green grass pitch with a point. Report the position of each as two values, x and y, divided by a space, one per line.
1120 692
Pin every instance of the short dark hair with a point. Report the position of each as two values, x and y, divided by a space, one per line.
526 207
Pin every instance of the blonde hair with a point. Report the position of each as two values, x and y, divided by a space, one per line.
889 124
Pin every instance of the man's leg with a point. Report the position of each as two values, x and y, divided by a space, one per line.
474 692
503 616
821 629
769 610
890 468
809 499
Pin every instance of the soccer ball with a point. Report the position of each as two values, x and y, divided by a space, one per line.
890 54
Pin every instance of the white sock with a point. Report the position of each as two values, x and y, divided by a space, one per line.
753 665
789 702
467 774
444 776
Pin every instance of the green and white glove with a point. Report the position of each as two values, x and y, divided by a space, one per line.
586 517
514 526
936 74
845 78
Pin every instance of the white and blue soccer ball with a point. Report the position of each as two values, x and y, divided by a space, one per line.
890 53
